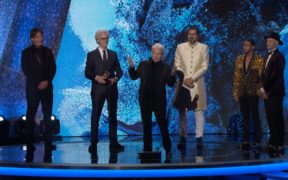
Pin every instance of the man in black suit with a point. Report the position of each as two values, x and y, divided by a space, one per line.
103 69
39 67
154 74
273 92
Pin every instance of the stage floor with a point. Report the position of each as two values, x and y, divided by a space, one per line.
219 156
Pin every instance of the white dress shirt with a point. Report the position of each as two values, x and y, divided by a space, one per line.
269 57
101 53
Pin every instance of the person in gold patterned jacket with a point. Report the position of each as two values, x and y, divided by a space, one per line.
247 80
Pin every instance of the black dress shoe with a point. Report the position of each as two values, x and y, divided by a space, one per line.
94 158
182 144
48 146
245 147
92 149
30 148
269 147
29 156
271 151
256 150
47 157
280 150
116 147
168 157
256 146
199 143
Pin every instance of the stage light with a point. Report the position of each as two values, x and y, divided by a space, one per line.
53 118
23 118
2 118
24 148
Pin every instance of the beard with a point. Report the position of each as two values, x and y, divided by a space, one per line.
192 40
247 52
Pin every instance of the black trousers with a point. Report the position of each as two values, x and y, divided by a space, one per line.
34 96
147 107
98 100
249 106
274 114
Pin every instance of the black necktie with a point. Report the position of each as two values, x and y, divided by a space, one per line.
104 56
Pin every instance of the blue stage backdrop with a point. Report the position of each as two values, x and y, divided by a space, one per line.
134 26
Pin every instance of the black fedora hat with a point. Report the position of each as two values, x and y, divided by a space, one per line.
276 36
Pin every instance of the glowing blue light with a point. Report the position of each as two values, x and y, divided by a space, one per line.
196 172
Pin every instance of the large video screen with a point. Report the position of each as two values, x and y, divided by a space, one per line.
134 26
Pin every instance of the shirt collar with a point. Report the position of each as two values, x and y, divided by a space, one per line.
101 49
272 51
36 47
152 62
192 46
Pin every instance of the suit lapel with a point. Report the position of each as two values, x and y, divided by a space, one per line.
98 55
246 71
110 59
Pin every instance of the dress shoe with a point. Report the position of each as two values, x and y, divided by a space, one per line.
245 147
92 148
182 144
168 157
280 150
116 147
199 143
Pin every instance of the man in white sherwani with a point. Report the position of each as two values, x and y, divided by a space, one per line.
192 59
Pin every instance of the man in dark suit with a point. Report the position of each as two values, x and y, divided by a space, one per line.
154 74
103 69
39 67
273 92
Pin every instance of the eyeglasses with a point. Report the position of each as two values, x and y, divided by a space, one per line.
106 38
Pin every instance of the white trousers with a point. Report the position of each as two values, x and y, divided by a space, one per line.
199 123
